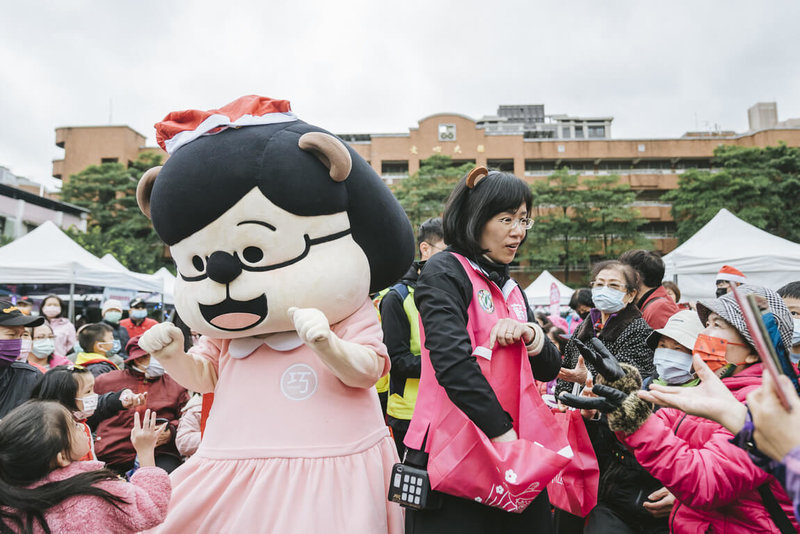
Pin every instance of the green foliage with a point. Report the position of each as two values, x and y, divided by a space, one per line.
424 194
758 185
115 224
580 221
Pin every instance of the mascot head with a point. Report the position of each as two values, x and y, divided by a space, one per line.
263 212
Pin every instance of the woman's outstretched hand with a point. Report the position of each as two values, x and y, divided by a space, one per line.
577 375
710 399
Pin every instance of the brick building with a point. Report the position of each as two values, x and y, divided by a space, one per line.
519 138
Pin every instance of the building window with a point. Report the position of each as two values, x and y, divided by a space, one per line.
597 132
579 132
460 162
109 160
647 164
394 169
565 133
614 165
447 132
504 165
534 167
693 164
578 165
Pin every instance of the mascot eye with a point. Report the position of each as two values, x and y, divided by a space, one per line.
252 254
198 264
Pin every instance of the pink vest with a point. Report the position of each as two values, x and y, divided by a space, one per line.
463 461
488 306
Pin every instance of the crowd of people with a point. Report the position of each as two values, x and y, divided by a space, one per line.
686 426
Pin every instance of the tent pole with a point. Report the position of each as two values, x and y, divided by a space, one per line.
72 303
163 314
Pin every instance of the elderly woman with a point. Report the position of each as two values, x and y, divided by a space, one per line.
625 488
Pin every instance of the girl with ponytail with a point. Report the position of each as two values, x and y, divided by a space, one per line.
44 488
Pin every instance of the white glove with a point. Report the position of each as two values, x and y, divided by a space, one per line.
311 324
162 340
355 365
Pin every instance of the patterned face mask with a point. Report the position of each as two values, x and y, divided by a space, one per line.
712 350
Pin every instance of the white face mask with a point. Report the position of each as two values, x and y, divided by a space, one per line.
51 310
796 333
607 299
42 348
89 406
673 366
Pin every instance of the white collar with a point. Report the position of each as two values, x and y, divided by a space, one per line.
243 347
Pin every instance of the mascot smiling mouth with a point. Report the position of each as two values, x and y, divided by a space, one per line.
235 315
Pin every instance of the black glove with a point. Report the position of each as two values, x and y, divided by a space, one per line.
601 359
608 399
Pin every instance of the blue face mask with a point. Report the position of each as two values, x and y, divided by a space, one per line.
115 348
673 366
608 300
138 314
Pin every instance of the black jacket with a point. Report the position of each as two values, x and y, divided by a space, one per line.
16 385
443 294
397 334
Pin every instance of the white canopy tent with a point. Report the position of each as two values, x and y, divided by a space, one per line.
538 292
765 259
47 255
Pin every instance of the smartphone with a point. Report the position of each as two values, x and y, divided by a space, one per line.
758 331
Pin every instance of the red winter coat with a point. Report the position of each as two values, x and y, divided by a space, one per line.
658 308
714 482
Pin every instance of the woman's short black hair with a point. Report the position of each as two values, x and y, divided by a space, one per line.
791 290
468 210
582 296
60 385
60 303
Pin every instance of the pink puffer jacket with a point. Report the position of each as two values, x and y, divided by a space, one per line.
714 482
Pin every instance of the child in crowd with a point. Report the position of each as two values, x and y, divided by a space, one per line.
42 354
97 341
44 488
73 388
54 310
673 347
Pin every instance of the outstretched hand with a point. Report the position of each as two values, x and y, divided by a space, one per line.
577 375
710 399
144 436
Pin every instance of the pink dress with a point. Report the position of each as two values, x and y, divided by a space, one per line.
288 448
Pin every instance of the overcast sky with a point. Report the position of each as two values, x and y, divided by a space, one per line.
660 69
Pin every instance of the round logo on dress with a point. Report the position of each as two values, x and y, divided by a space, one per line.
485 300
299 382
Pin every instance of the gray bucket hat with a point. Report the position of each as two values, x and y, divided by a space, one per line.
727 308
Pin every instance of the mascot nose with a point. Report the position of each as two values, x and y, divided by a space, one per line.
223 268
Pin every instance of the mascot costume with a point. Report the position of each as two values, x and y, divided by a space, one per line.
279 232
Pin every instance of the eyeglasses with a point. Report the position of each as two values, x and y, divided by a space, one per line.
613 285
525 222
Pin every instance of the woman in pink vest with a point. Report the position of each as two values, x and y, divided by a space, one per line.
472 310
